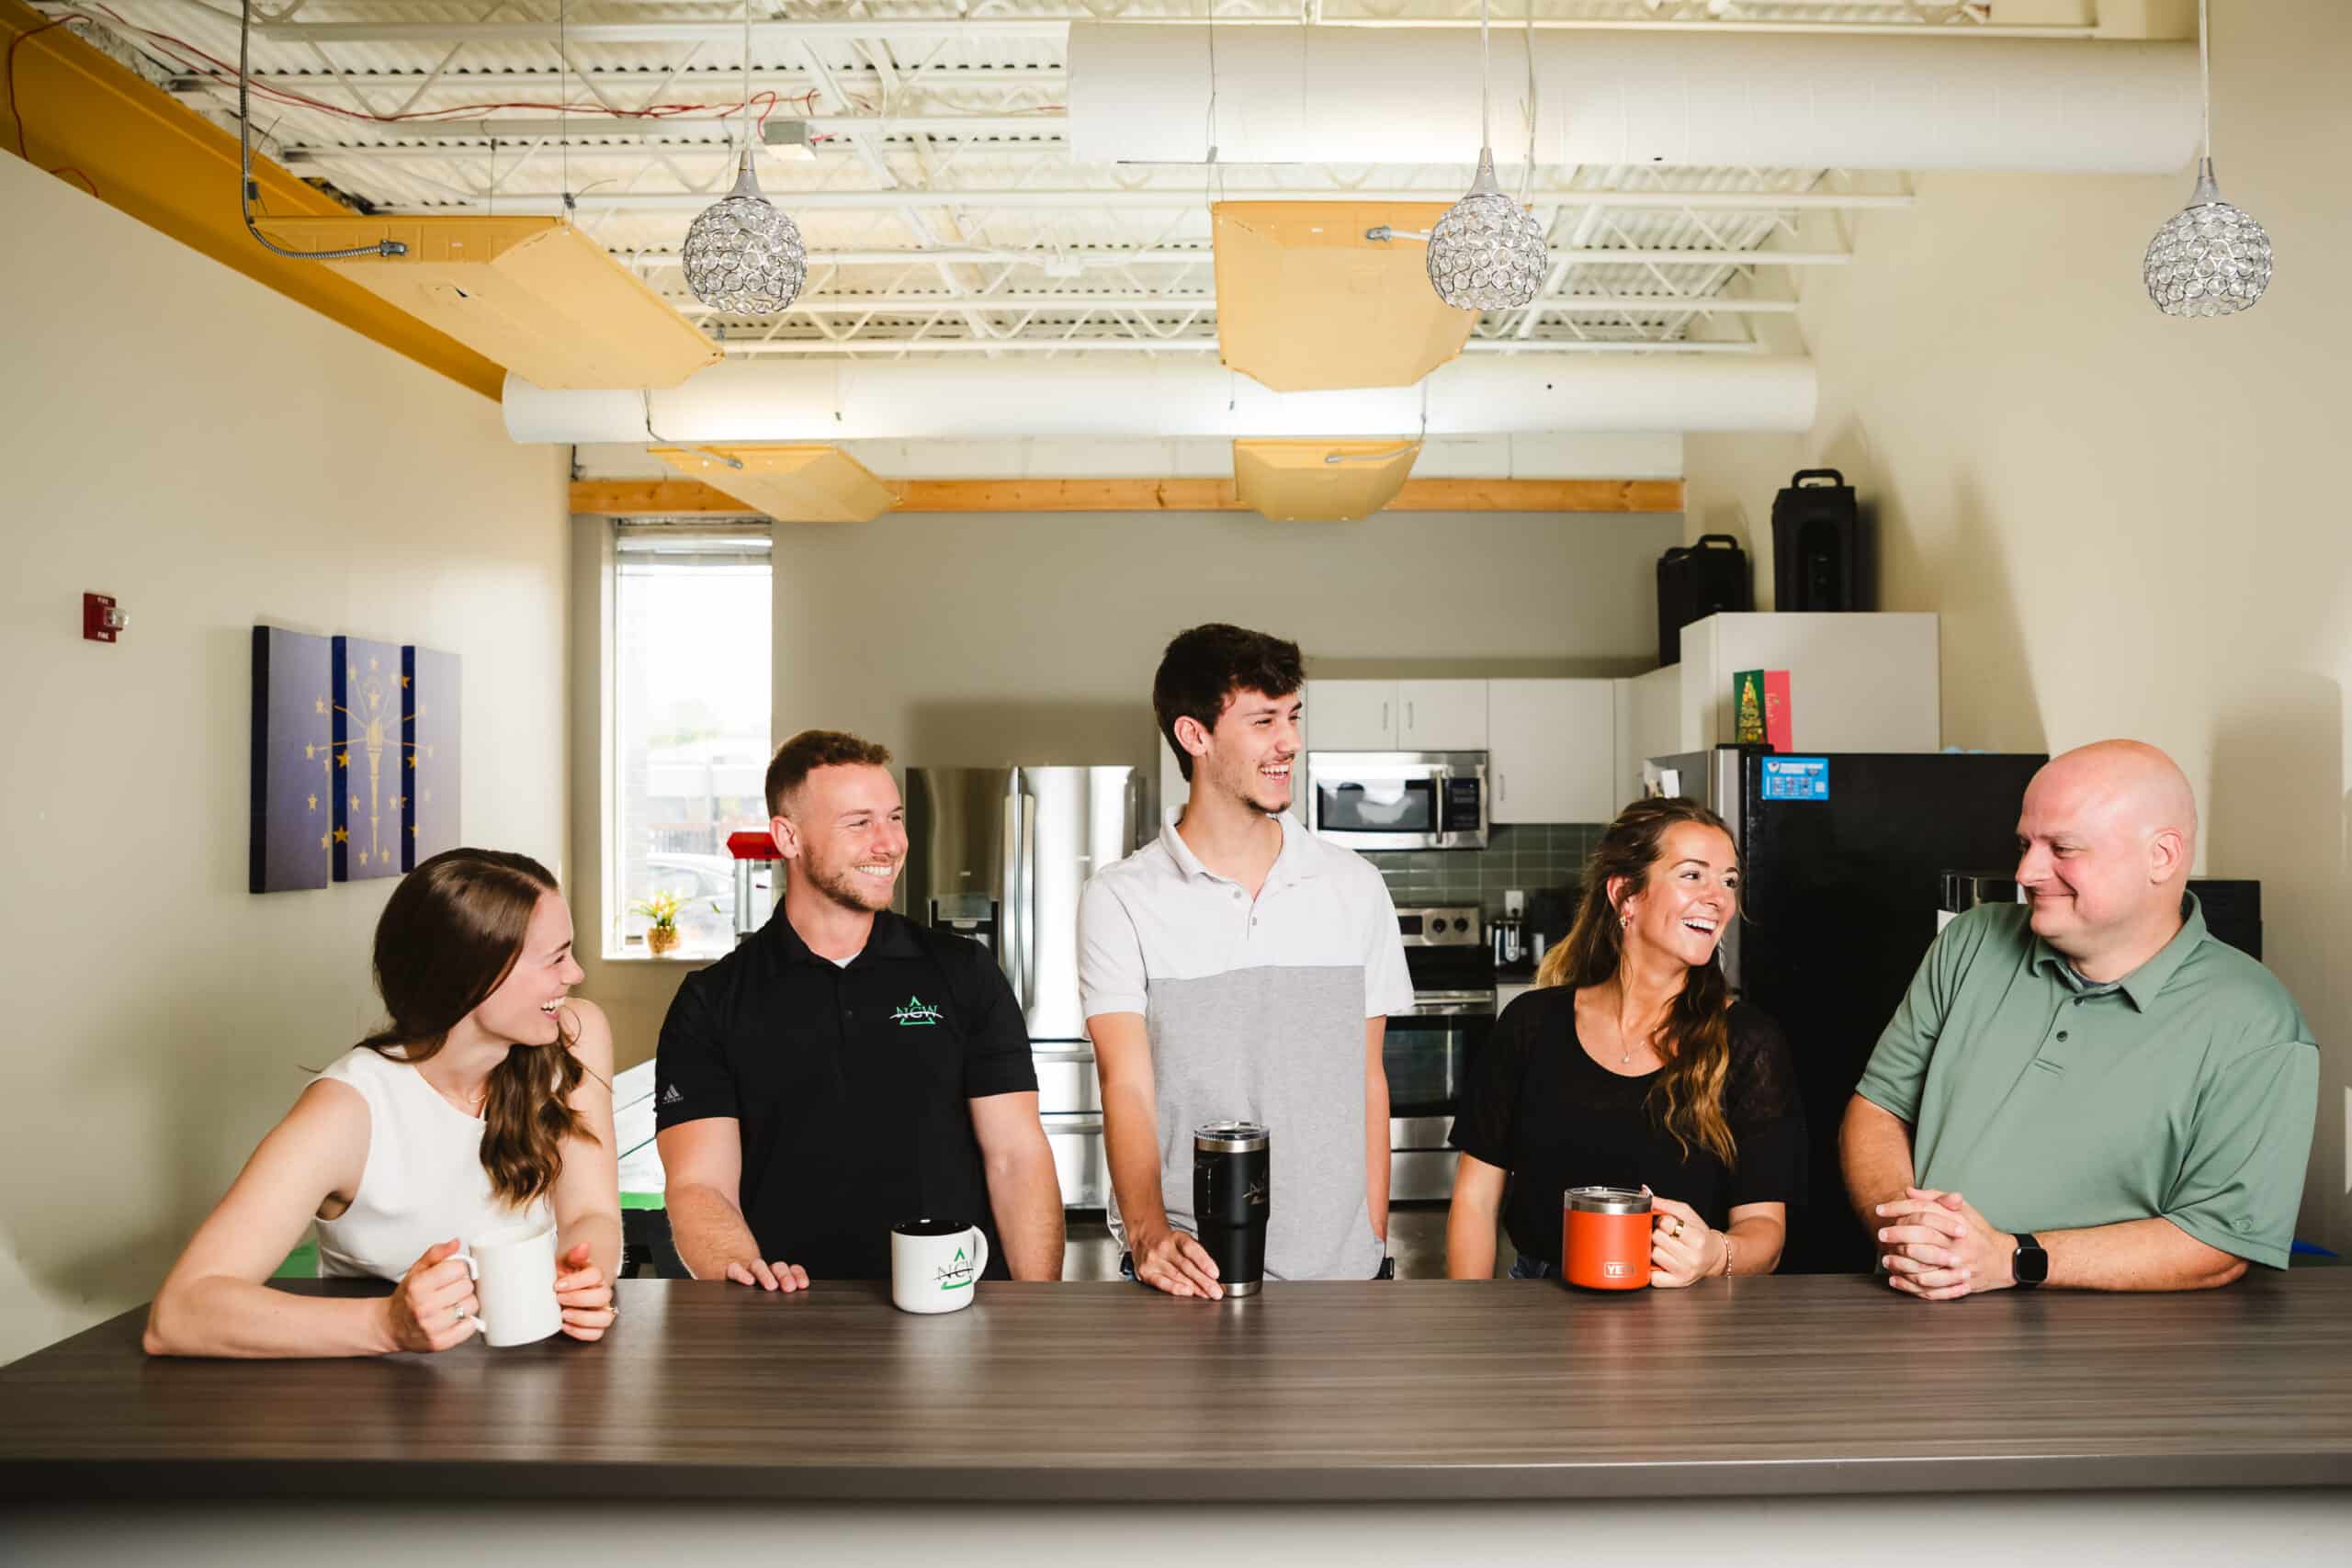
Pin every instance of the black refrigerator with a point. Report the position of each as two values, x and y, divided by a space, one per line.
1844 856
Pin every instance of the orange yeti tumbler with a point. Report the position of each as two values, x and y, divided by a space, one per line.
1605 1240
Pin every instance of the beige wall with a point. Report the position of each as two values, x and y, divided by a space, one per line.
974 639
214 456
2130 525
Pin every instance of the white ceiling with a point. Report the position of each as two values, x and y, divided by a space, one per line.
940 211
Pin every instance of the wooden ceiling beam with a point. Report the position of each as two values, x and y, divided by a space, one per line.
691 498
92 121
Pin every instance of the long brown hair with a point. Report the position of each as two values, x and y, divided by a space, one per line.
450 935
1695 1039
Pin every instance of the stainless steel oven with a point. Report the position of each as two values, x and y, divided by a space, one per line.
1429 1051
1399 800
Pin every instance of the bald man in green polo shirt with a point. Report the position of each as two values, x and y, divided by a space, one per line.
2088 1090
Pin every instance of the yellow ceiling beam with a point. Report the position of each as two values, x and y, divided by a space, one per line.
691 498
82 115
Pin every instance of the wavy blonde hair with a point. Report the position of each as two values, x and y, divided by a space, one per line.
1695 1041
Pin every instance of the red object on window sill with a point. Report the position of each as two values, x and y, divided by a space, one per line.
748 845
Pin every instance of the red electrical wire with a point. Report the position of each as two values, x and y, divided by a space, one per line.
190 55
15 109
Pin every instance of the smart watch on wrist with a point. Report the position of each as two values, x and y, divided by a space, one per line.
2031 1264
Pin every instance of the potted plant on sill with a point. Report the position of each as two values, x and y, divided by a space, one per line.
662 910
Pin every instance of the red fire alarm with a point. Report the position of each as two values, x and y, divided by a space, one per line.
101 621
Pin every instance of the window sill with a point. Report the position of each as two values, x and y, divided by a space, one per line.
681 955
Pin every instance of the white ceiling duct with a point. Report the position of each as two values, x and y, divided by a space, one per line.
978 400
1358 95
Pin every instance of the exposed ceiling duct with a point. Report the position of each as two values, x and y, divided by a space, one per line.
1369 95
996 400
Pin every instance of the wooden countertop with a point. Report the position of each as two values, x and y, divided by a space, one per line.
1421 1390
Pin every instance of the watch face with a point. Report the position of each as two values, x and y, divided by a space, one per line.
2032 1265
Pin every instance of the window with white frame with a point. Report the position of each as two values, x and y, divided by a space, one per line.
691 671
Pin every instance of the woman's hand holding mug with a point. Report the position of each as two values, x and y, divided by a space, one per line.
433 1308
586 1295
1683 1248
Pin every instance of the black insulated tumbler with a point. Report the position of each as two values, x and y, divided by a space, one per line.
1230 1182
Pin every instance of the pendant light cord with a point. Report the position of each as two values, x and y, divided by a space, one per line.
747 78
563 106
1486 74
2205 75
246 189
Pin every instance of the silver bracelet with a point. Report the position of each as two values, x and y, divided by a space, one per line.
1726 1254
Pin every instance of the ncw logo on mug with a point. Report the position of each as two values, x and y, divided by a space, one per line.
956 1273
934 1264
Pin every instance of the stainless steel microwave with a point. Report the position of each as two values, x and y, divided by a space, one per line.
1399 800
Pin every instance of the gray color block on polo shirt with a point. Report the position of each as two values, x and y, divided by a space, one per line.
1285 1047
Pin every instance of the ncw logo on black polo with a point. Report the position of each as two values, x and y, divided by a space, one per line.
912 1012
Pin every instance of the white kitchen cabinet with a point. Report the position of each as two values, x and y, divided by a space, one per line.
1857 682
1649 723
1551 751
1352 715
1442 716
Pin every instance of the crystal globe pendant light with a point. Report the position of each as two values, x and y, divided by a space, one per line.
2210 258
1488 252
743 254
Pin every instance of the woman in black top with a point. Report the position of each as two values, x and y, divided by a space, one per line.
1631 1066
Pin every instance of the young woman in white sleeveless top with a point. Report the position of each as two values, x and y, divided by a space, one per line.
485 1102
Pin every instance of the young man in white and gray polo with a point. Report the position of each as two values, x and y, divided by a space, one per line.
1241 968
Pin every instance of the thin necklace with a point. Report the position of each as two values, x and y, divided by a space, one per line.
1627 1059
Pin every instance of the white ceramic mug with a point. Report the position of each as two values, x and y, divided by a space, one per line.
514 1273
934 1264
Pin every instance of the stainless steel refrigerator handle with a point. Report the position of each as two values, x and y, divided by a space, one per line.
1009 934
1028 848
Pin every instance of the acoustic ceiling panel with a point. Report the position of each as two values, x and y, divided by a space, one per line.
790 483
534 294
1306 303
1321 481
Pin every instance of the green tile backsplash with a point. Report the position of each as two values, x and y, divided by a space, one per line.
1523 855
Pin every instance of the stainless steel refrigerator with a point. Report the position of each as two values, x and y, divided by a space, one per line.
999 855
1844 857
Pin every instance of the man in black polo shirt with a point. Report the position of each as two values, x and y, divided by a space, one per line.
847 1068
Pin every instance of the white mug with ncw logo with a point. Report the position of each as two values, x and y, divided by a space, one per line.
935 1264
